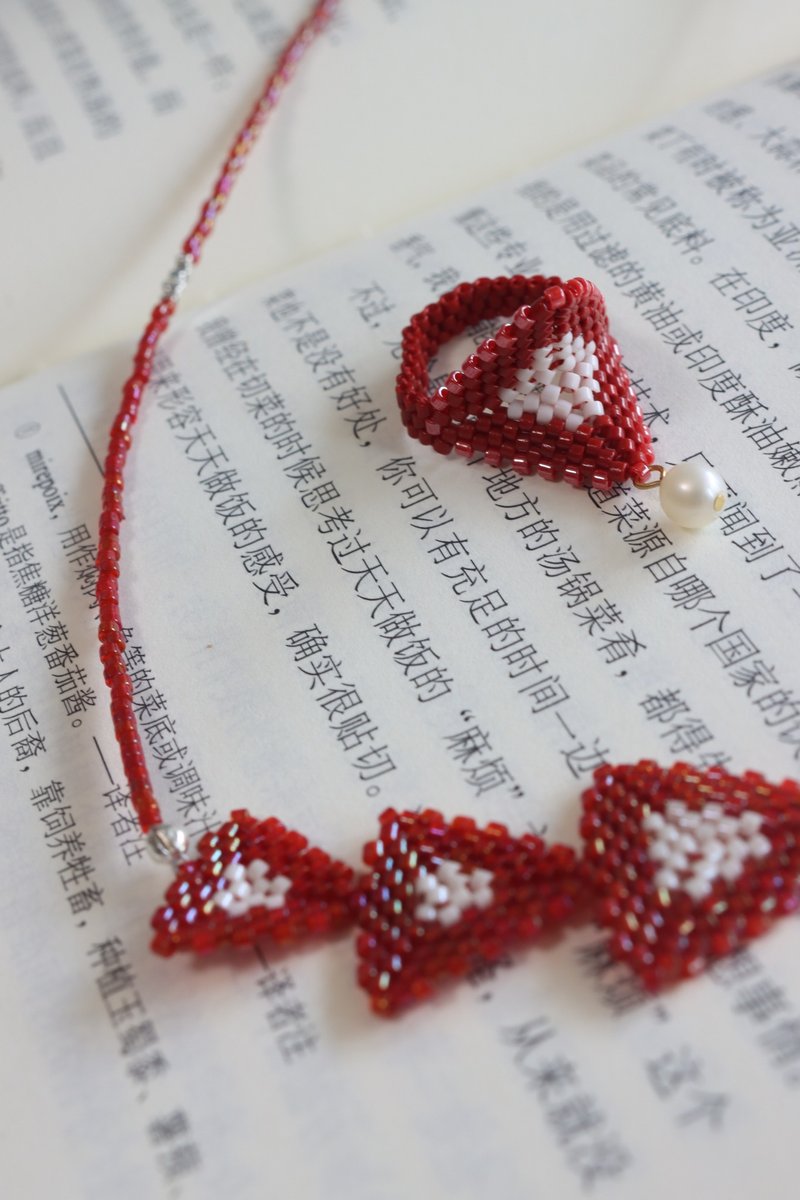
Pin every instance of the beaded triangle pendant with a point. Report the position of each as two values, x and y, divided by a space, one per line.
441 897
687 866
250 880
547 394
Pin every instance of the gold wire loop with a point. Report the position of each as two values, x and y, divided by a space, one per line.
656 469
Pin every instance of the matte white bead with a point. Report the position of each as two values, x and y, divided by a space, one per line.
515 410
506 395
760 845
545 413
257 869
698 889
562 408
750 822
737 848
666 879
731 869
583 395
573 421
526 387
550 394
692 494
570 380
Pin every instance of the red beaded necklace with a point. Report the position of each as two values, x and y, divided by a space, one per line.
681 866
112 639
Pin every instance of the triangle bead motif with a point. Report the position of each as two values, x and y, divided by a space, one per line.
440 898
253 880
686 865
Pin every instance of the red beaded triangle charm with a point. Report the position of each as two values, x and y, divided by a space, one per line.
686 865
546 394
253 879
441 898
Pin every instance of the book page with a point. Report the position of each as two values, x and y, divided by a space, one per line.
115 114
326 619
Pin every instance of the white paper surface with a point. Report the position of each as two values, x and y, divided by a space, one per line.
115 114
550 1074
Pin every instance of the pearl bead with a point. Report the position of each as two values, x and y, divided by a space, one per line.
692 494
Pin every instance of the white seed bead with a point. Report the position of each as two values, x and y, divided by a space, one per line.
692 494
666 879
698 889
545 413
760 845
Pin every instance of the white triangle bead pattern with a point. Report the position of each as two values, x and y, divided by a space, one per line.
251 887
695 848
445 894
560 384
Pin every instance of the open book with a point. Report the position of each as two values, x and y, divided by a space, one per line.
323 622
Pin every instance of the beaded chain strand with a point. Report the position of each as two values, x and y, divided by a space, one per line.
110 631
